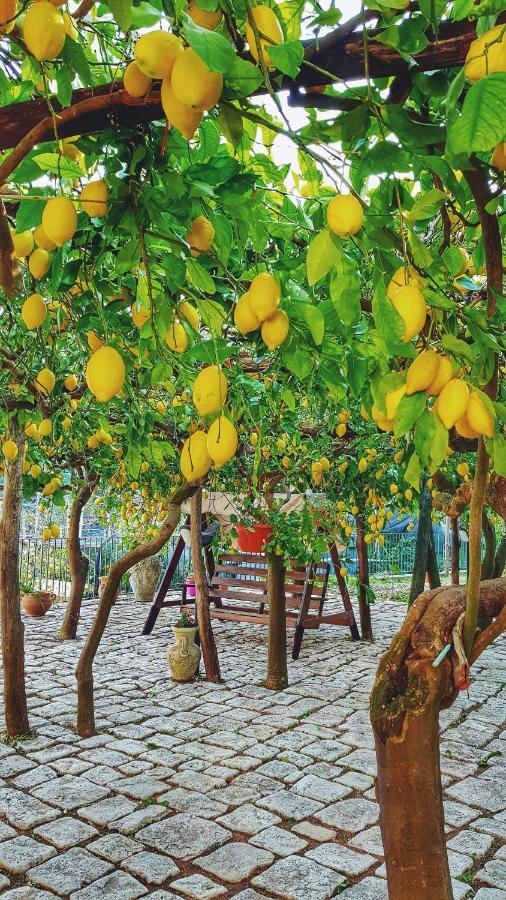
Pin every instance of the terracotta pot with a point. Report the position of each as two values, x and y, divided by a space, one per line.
37 605
184 655
101 586
144 578
253 540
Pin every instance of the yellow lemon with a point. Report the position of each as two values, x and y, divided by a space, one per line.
264 295
422 372
31 430
33 311
105 373
499 157
245 319
176 338
44 30
94 198
10 449
324 463
70 25
345 215
402 277
465 262
45 427
463 428
392 400
55 530
195 461
222 441
94 342
155 53
452 402
8 9
66 423
46 532
42 240
270 31
35 470
23 243
486 54
70 382
39 263
140 314
478 416
188 312
185 119
135 82
410 304
59 219
209 391
463 469
383 423
442 376
200 236
203 17
275 329
341 429
45 381
193 83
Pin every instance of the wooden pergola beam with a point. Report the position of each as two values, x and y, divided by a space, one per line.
338 53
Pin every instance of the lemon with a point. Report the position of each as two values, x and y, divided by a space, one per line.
176 338
268 25
275 329
345 215
463 428
486 54
39 263
463 469
264 295
94 342
478 416
55 530
200 236
10 449
452 402
105 373
188 312
35 470
59 219
45 427
392 400
94 198
155 53
499 157
193 83
203 17
33 311
66 423
422 372
195 461
465 262
42 240
185 119
140 314
402 277
70 382
8 9
410 304
69 24
46 534
362 465
45 381
341 429
383 423
442 377
222 441
135 82
23 243
324 463
210 390
44 30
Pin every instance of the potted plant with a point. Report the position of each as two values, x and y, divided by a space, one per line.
36 603
144 578
189 583
183 655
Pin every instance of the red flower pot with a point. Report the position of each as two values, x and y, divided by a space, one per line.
253 540
37 605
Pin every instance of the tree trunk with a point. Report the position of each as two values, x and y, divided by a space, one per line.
84 670
78 563
488 563
500 558
363 583
475 525
455 550
206 635
13 650
277 669
422 544
432 564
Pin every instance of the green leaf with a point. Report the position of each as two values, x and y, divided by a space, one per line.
314 320
457 347
57 164
390 326
287 57
63 85
482 124
231 124
424 435
408 412
213 315
200 277
439 444
413 472
422 256
345 291
128 255
122 12
297 361
499 455
29 213
75 57
288 399
214 49
242 78
323 252
426 206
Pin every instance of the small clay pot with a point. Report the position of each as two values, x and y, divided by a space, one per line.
37 605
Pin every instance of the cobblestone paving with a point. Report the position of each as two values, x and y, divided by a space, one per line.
203 791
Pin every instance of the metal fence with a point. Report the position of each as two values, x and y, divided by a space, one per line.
44 565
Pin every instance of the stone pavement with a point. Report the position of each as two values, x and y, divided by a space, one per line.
203 791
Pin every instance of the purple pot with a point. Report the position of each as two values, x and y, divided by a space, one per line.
190 588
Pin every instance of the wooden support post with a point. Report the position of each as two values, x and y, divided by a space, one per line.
277 669
363 582
206 635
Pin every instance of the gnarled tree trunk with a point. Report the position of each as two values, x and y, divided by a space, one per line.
277 669
454 550
78 562
425 561
206 635
13 649
84 670
363 583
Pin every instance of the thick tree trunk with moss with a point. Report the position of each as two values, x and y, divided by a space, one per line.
206 635
405 702
78 563
363 583
13 649
277 669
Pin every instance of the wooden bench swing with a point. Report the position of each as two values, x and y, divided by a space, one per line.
238 592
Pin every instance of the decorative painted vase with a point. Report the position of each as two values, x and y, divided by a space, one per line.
144 578
184 655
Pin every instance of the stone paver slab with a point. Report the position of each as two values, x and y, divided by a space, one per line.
368 889
116 886
65 832
70 871
69 792
279 841
183 836
21 853
106 811
341 858
199 887
349 815
235 862
320 789
493 873
151 867
24 811
298 878
483 792
290 805
114 847
248 819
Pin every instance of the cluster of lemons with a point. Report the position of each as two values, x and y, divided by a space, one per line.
259 308
219 443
